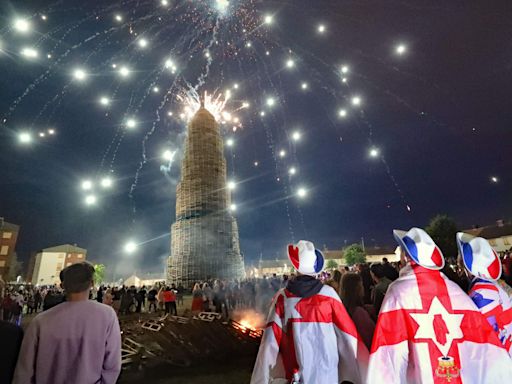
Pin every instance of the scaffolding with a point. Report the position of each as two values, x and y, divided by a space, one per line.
204 237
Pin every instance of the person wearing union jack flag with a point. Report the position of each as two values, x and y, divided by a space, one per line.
309 337
483 266
429 330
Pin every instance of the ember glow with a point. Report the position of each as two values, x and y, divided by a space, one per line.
249 319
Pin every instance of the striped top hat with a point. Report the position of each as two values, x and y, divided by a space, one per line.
305 258
479 257
420 247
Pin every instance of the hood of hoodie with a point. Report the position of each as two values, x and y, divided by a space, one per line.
304 286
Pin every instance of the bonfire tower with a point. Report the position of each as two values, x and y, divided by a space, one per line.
204 237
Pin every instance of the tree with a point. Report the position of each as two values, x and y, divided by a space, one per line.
99 273
443 229
331 264
354 254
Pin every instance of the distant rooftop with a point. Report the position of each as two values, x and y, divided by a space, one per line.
6 226
500 229
67 248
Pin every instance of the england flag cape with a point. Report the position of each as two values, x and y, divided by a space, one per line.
314 336
496 306
430 331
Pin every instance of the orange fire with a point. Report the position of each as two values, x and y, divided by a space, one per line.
249 319
246 324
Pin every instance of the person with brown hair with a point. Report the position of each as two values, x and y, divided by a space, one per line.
77 341
335 281
352 295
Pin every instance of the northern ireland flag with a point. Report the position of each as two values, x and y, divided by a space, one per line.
314 336
430 331
494 303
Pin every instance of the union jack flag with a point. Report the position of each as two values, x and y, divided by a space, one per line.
494 303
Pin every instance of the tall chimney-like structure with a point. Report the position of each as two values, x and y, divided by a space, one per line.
204 238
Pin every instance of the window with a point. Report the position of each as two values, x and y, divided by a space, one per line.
7 235
80 256
2 263
4 250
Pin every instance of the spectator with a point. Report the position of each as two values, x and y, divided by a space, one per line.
53 297
99 295
179 295
7 304
364 272
116 299
127 300
309 337
38 298
197 299
11 337
31 303
160 298
139 301
152 299
389 271
142 294
208 297
78 341
381 286
170 300
335 281
108 298
219 293
352 295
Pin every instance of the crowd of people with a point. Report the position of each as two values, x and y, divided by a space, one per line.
384 322
422 320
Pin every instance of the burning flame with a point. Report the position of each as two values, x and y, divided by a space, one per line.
249 319
247 324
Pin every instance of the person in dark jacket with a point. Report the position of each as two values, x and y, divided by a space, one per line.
389 271
380 288
11 336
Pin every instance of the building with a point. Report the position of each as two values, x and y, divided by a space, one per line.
204 237
147 281
498 235
8 237
50 261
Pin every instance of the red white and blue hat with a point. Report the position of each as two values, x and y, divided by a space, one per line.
420 247
305 258
479 257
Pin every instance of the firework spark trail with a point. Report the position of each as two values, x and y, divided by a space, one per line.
47 73
369 126
395 183
271 144
119 128
202 78
146 138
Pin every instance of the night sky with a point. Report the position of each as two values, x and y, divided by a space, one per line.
437 114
